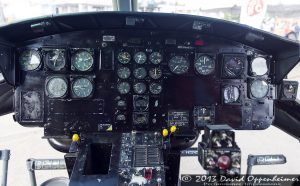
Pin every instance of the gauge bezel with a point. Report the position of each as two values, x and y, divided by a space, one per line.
46 59
251 81
117 86
38 54
141 67
76 51
241 95
251 73
134 90
162 57
135 54
117 71
155 67
73 79
197 57
241 74
151 89
186 57
46 86
122 51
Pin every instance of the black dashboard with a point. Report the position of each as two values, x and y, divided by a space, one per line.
123 80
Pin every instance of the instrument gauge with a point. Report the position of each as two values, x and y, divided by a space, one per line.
155 73
56 87
155 88
55 59
82 87
124 57
123 72
123 87
29 60
179 65
139 88
140 73
82 60
231 94
156 58
233 66
259 66
205 65
259 88
140 57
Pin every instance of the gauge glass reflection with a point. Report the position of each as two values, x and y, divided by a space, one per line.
259 88
139 88
123 72
259 66
82 87
140 73
29 60
82 60
56 87
156 58
155 73
179 65
124 57
140 57
155 88
55 59
123 87
205 65
231 94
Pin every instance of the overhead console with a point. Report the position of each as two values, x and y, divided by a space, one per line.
122 80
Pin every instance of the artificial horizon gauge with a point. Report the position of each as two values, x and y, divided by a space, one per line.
155 73
123 72
123 87
205 65
82 87
139 88
55 59
179 65
124 57
155 88
56 87
140 57
140 73
82 60
233 66
156 58
259 88
29 60
231 94
259 66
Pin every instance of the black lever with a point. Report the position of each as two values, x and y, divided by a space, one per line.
264 160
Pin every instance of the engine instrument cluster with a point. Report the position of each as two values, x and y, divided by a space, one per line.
142 83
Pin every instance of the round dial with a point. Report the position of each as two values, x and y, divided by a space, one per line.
56 87
140 73
123 87
259 66
140 57
259 88
123 72
82 87
179 65
156 58
55 59
233 66
205 65
155 88
139 88
231 94
82 60
124 57
155 73
30 60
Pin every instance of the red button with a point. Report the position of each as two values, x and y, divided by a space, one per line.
224 162
199 43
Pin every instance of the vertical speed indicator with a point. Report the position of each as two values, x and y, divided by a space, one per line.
205 65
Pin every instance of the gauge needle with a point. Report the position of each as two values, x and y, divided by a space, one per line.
176 67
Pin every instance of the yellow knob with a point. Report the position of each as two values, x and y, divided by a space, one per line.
165 133
173 129
75 137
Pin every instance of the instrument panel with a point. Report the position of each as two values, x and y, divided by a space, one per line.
141 82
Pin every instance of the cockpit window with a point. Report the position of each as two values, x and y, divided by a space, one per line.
295 76
16 10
